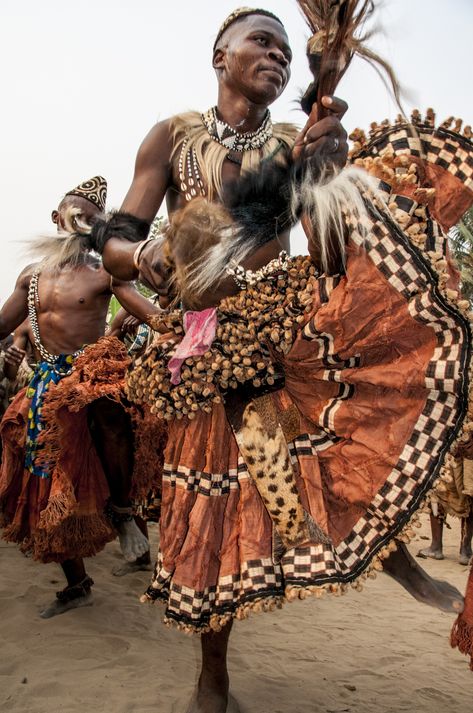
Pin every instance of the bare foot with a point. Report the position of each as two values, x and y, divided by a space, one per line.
233 706
430 552
142 564
58 607
439 594
132 541
211 695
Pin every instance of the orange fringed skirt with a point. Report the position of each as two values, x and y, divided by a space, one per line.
61 517
376 390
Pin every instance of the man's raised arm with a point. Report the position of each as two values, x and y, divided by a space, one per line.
152 178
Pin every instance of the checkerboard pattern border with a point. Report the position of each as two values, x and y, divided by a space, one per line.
438 146
407 270
209 484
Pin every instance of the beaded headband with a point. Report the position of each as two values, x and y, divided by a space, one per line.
93 190
243 12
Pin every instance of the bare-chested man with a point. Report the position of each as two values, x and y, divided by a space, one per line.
252 60
67 297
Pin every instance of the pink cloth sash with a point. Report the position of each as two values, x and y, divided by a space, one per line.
200 329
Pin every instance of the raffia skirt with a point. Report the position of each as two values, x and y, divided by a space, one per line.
61 517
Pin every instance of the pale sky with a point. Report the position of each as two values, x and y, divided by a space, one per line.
83 82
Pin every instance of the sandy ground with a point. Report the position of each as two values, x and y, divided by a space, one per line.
377 651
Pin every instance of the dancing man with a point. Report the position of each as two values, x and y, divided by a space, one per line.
299 419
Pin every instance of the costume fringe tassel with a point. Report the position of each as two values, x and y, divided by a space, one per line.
461 636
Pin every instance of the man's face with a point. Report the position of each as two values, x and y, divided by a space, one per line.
87 209
254 57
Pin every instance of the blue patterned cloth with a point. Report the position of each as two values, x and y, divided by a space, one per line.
44 375
141 337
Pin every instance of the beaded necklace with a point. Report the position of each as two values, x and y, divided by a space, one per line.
231 139
221 132
33 300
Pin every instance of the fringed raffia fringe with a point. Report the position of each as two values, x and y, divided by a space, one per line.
461 636
211 155
61 532
98 372
76 536
60 506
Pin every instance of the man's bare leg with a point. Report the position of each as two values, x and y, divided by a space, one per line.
76 594
435 549
436 593
211 695
112 434
141 564
466 538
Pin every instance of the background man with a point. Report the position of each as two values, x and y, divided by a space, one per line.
59 516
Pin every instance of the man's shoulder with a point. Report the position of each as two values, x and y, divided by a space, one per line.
174 127
157 144
94 271
160 143
23 279
90 270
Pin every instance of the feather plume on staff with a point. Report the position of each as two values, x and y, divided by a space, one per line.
338 34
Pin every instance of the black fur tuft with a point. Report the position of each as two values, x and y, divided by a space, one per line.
117 225
260 202
309 98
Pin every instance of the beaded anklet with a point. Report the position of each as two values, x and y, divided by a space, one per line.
75 591
117 515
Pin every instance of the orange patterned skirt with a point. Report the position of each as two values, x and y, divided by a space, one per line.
376 391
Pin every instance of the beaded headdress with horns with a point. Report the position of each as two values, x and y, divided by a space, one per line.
93 190
68 247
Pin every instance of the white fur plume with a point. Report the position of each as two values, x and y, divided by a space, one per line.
64 248
327 201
